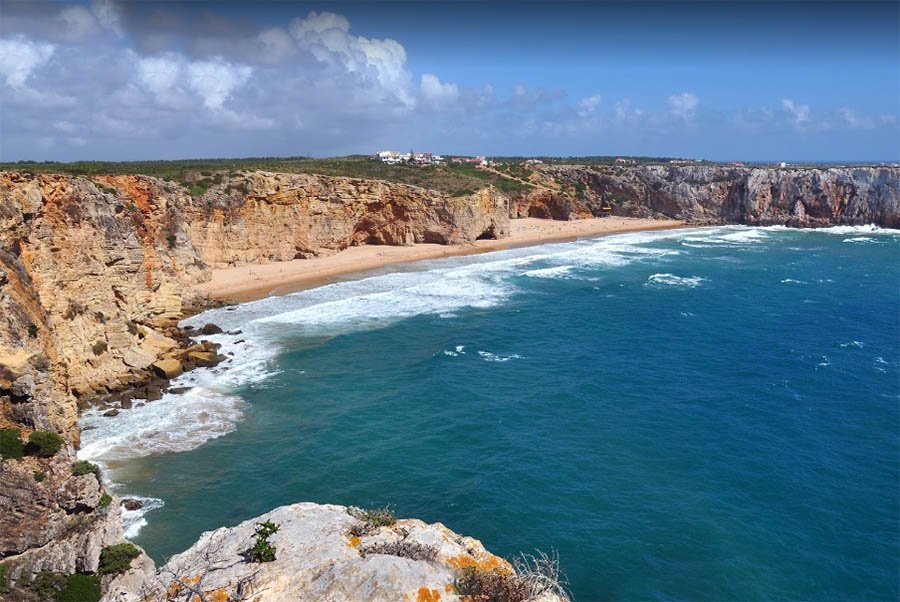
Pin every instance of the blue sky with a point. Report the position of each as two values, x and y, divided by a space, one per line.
730 81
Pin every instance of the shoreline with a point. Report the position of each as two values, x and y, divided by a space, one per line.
250 282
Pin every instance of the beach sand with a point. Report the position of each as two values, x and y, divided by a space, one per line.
249 282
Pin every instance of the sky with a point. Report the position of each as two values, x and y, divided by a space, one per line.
749 81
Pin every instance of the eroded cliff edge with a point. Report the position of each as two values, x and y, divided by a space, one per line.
798 197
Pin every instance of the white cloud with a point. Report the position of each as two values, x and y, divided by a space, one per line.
159 74
377 67
683 106
109 14
589 105
78 23
19 57
626 114
799 113
854 120
275 45
215 80
436 93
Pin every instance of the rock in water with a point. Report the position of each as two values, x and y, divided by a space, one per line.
210 329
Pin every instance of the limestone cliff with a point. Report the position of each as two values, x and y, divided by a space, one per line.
325 554
813 197
263 216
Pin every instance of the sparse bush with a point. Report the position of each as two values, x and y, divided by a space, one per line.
11 447
404 549
371 519
39 475
32 330
534 576
44 443
99 347
105 500
262 550
3 582
117 558
83 467
100 317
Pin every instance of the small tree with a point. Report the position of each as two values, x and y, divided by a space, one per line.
83 467
263 550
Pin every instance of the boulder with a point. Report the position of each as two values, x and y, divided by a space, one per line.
168 368
210 329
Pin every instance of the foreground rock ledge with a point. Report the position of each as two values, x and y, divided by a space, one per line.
317 560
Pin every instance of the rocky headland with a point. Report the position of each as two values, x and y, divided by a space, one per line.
96 272
699 194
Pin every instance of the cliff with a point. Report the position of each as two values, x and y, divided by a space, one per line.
811 197
96 271
326 553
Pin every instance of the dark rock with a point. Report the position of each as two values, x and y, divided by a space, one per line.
125 404
132 504
112 412
210 329
179 390
235 332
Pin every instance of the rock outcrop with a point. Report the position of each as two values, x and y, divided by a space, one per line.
800 197
319 558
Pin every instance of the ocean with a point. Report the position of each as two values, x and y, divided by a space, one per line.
702 414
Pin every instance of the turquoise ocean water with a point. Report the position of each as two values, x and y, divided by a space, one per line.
706 414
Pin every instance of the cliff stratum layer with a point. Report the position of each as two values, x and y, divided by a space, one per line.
718 195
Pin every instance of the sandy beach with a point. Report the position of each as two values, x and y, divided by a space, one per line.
249 282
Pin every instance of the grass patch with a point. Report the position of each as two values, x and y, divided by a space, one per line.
116 559
3 581
80 588
39 475
44 443
105 500
11 447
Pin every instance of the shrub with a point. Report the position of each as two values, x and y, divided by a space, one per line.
534 576
371 519
3 582
32 330
105 500
117 558
262 550
45 443
404 549
11 447
80 588
39 475
83 467
99 347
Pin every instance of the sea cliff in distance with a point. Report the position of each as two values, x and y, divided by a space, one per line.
98 264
